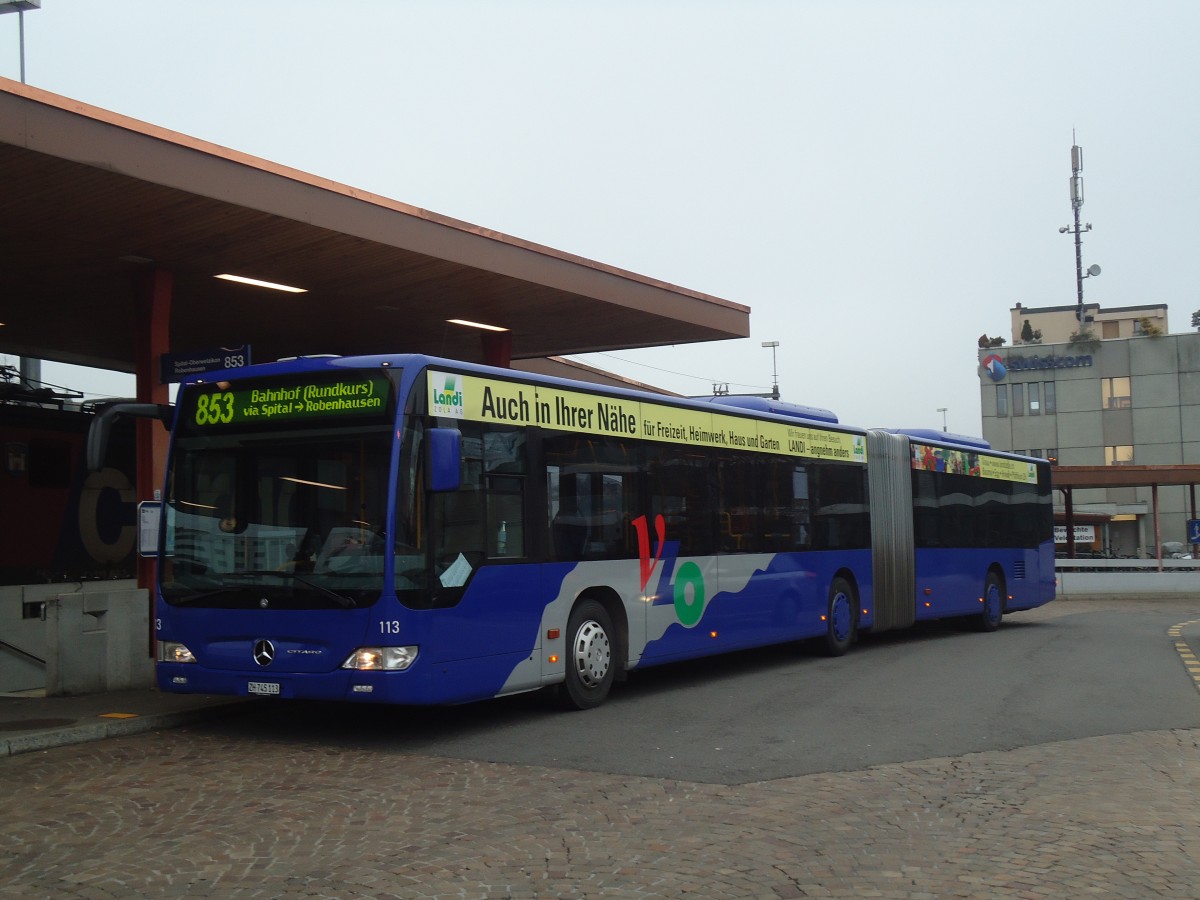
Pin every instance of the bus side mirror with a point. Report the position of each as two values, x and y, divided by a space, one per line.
443 447
102 425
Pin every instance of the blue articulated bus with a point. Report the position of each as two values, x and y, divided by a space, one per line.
413 530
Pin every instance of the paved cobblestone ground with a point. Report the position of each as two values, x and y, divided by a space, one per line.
190 813
182 813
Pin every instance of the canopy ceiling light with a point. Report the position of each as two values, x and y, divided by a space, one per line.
241 279
470 324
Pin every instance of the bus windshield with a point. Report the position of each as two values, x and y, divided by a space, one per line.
276 497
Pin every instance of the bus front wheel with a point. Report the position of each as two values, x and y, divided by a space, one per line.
589 658
840 621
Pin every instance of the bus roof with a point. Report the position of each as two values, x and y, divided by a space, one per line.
941 437
770 405
749 406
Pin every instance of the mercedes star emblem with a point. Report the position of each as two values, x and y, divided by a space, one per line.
264 652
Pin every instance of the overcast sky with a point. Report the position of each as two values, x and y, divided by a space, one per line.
879 181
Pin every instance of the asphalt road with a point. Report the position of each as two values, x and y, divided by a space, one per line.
1068 671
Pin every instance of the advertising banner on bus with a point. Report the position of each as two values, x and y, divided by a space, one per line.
460 396
974 463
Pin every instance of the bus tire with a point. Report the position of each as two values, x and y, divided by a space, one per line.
989 617
840 620
590 667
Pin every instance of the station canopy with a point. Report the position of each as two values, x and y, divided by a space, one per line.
92 200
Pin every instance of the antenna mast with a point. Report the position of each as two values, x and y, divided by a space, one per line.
1078 230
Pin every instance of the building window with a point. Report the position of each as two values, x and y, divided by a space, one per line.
1018 407
1110 330
1049 403
1002 399
1035 400
1137 328
1120 455
1114 393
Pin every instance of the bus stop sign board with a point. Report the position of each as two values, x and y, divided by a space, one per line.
177 366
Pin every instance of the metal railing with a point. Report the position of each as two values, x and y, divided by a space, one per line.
5 645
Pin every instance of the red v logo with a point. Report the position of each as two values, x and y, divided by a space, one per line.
643 533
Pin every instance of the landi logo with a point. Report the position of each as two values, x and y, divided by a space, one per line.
446 395
995 367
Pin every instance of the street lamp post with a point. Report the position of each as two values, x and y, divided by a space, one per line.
942 410
19 7
774 371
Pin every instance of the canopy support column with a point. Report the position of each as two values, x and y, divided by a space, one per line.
1069 504
497 349
1157 526
152 303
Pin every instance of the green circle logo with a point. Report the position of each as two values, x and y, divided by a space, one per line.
689 594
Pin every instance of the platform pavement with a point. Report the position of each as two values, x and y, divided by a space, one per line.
1107 816
31 721
195 814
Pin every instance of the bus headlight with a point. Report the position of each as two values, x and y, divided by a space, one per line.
381 659
174 652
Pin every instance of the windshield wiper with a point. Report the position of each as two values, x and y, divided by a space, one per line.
341 599
202 595
346 602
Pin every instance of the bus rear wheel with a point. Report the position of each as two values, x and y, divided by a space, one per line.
989 617
590 668
841 621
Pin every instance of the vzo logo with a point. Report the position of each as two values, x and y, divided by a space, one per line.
688 591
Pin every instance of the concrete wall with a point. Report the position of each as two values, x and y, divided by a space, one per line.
1127 584
24 628
93 637
1128 578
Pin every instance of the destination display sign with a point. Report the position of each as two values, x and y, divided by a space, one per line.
459 396
974 463
285 400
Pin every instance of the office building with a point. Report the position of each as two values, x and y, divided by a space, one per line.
1123 391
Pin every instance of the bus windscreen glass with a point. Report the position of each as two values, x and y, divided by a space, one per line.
277 493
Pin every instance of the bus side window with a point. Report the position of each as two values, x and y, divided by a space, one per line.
785 506
591 497
485 517
739 505
458 516
925 510
504 486
839 513
679 492
568 514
